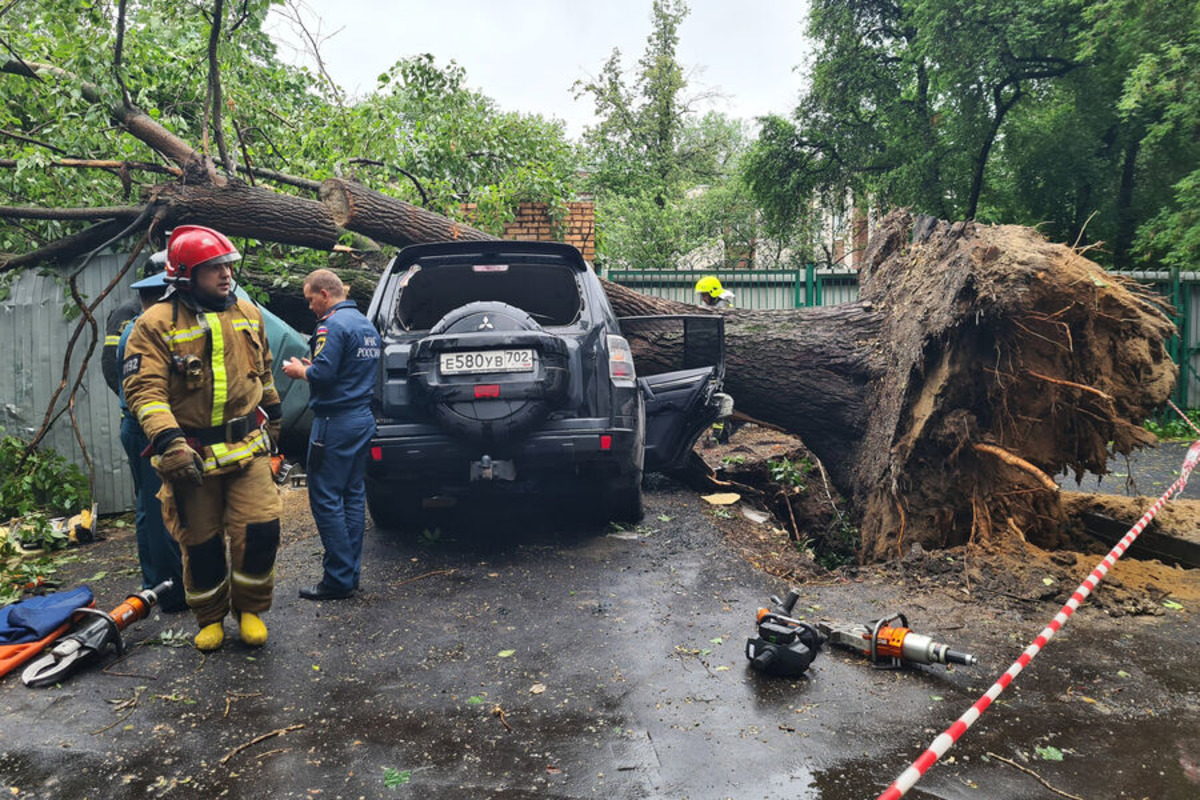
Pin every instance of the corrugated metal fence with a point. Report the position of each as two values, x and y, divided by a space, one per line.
776 289
36 334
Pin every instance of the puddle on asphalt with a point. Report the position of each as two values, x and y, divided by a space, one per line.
1141 758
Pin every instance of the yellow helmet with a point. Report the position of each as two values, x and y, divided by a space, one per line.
709 285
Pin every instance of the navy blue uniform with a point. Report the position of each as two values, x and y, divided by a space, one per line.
158 552
345 356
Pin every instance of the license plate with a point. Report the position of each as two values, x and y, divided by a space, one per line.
479 361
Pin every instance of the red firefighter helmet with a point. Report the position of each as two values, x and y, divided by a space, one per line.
192 246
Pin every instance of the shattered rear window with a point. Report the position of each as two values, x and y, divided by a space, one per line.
547 292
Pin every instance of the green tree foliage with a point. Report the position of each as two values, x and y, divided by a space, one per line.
1078 117
423 120
41 481
1161 96
908 97
461 145
665 176
634 148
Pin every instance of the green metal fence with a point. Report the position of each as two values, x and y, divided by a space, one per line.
756 289
1182 289
787 288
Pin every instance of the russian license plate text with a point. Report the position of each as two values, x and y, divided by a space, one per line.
478 361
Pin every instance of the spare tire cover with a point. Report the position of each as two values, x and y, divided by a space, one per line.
490 419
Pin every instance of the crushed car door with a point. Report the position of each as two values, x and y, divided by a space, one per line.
680 363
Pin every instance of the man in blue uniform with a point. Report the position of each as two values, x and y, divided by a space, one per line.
158 552
341 373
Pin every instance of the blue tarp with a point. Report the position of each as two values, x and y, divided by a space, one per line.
36 617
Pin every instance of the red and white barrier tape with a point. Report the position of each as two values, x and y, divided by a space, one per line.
1185 417
951 735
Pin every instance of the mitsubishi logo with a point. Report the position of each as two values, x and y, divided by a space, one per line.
486 325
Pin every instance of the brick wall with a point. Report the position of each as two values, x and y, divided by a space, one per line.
859 228
532 223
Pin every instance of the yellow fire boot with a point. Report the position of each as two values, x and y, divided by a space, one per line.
254 630
210 637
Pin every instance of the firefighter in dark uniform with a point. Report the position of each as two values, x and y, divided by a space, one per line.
118 322
342 371
197 371
158 552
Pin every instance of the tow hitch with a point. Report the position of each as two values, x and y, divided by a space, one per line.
489 469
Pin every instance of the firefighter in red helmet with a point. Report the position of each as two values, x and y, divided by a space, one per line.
197 375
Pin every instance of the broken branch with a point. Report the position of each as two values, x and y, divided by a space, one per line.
1030 772
88 214
101 163
257 739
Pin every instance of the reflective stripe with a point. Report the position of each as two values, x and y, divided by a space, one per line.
185 335
242 579
220 381
199 597
112 340
245 325
256 444
153 408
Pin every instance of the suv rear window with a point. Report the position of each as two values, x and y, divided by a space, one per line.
547 292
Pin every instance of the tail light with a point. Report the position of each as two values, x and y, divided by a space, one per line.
620 362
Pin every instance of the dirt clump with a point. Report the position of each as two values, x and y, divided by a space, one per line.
808 534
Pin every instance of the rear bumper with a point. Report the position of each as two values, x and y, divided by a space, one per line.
558 449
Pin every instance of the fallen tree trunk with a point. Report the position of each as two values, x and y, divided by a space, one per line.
978 361
237 209
386 219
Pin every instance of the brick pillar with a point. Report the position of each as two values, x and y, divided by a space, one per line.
858 227
532 223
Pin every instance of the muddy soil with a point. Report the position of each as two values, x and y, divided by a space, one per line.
790 543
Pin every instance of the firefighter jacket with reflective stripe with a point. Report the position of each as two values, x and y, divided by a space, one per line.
187 367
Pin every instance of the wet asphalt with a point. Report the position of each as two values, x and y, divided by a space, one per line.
540 658
1145 473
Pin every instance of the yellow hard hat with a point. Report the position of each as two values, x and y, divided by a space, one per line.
709 285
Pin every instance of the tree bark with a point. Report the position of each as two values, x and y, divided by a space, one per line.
88 214
66 248
386 219
796 369
1126 218
236 209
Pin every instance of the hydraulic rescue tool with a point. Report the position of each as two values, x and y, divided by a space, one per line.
890 647
95 630
784 645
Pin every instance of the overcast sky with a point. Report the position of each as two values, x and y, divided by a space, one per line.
526 54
